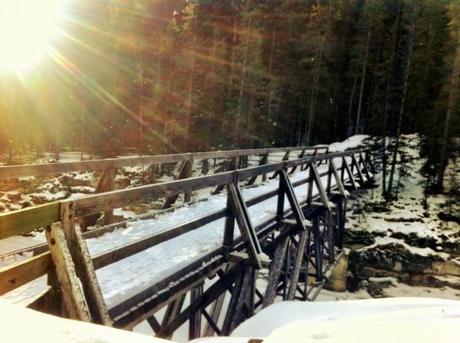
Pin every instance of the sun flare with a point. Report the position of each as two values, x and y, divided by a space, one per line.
26 30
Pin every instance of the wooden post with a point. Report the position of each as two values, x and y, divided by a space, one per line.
195 319
107 184
263 160
214 316
294 278
184 173
72 292
276 266
83 264
244 224
233 165
350 173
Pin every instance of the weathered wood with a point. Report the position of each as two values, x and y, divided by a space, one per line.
173 310
118 253
351 177
276 266
72 292
107 184
28 219
8 172
83 264
154 324
184 173
337 178
358 169
289 191
140 306
245 226
120 198
195 317
216 310
319 185
16 275
294 276
210 295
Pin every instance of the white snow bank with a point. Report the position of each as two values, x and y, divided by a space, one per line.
350 143
368 330
264 323
21 325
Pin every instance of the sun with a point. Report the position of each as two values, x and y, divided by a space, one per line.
27 28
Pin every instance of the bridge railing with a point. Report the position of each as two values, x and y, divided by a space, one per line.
63 216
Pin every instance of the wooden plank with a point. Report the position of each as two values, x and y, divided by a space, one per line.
28 219
118 253
16 275
69 283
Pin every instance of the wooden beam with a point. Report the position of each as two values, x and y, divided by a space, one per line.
245 226
185 172
28 219
194 330
319 185
84 265
276 266
294 276
351 177
338 180
72 292
18 274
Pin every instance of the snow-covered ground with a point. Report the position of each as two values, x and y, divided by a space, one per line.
21 325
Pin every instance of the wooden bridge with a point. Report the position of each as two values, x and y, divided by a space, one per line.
297 246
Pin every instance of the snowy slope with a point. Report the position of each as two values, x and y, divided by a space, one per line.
280 314
21 325
385 320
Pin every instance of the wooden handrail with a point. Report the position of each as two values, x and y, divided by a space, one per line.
8 172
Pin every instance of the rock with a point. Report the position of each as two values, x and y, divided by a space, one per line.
451 267
13 196
392 257
414 240
70 181
448 217
122 183
337 282
361 237
375 290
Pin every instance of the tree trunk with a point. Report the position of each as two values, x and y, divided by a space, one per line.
363 83
402 107
453 91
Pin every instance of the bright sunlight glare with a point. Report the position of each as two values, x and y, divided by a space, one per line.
26 29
